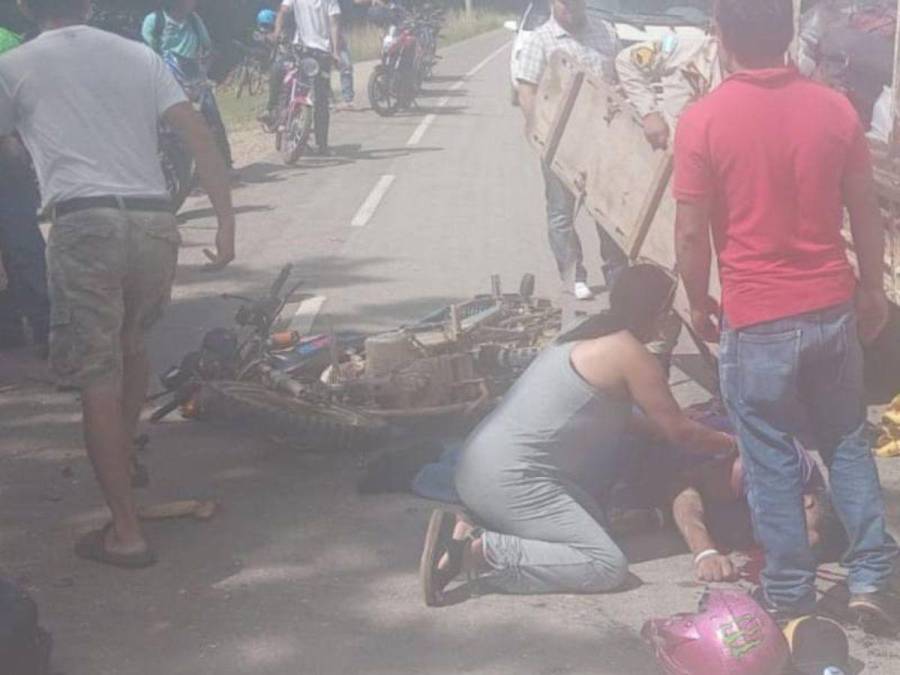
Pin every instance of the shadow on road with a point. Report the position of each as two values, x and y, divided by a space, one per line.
436 93
445 78
265 172
196 214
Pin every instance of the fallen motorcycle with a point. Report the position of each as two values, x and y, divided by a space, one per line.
345 390
247 374
452 366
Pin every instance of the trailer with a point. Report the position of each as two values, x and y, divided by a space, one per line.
590 136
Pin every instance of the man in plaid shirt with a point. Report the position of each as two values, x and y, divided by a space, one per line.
592 42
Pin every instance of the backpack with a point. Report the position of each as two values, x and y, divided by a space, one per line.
24 646
159 26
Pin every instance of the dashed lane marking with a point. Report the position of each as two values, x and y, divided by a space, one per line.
423 126
306 314
368 208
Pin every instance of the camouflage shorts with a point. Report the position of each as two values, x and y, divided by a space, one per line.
110 274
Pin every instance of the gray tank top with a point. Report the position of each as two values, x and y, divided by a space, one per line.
551 423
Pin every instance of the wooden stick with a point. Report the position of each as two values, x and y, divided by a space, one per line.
187 508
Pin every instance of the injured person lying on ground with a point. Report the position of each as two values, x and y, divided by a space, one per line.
528 472
707 498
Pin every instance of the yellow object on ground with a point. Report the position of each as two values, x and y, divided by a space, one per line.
888 444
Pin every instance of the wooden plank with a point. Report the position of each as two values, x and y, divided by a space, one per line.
894 144
561 121
602 153
795 45
651 206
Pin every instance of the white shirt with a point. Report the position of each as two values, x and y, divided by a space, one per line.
87 103
313 19
594 46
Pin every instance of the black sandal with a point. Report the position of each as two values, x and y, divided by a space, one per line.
439 541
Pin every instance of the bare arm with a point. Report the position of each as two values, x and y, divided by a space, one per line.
694 256
279 23
867 228
690 518
335 25
647 384
213 174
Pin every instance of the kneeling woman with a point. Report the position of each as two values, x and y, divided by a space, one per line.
527 471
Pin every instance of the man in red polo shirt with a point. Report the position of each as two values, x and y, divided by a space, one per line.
767 162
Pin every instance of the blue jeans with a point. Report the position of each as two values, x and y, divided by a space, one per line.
789 378
564 239
346 69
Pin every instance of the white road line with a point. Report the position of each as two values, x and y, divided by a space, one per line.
306 314
422 128
486 61
368 208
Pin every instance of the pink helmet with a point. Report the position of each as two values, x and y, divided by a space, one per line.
730 635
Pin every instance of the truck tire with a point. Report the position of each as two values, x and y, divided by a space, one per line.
316 427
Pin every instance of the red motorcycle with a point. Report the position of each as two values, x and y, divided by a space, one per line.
295 111
395 82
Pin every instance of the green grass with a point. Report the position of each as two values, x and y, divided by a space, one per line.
460 26
365 45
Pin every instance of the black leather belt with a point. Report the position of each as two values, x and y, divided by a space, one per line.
128 203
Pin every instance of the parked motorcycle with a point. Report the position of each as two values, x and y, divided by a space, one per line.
394 82
174 156
294 119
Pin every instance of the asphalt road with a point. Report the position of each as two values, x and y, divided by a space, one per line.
298 573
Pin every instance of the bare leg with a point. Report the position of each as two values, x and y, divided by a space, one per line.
108 446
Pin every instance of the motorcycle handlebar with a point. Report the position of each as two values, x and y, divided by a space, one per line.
280 281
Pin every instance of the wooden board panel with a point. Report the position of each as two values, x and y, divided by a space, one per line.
596 145
601 153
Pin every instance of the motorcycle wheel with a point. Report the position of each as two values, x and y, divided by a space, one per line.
381 97
316 427
296 137
178 170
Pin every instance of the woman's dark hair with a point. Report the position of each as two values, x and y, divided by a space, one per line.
42 10
755 31
640 295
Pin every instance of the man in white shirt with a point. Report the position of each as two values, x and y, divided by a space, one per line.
593 43
86 103
318 30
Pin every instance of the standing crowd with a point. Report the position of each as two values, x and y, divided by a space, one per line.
766 163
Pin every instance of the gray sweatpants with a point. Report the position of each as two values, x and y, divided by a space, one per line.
552 539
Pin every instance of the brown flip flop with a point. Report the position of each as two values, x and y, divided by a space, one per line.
92 546
438 541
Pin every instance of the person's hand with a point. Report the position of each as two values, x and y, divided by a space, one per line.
272 38
224 252
872 312
704 320
656 131
715 568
